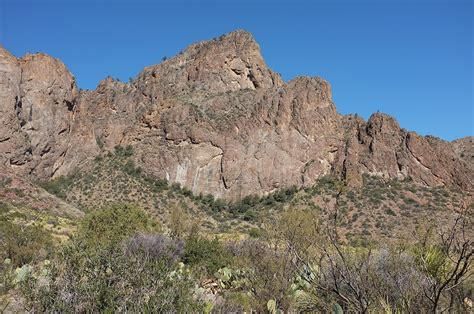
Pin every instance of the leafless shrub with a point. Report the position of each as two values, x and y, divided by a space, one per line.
269 273
155 246
431 276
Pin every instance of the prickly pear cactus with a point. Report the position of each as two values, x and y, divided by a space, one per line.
273 308
337 309
21 274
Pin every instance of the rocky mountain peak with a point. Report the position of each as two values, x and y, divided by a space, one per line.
214 119
381 123
5 55
229 63
242 41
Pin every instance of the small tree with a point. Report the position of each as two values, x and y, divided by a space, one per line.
448 265
180 223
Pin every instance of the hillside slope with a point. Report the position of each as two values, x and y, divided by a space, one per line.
379 212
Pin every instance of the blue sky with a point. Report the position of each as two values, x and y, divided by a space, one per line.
412 59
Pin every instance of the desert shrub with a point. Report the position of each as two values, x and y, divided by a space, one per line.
247 207
157 185
110 266
429 275
57 186
298 229
364 280
285 195
176 187
269 200
20 245
207 256
112 224
23 244
180 223
118 278
269 261
187 192
218 205
130 169
208 199
249 215
123 151
100 141
269 275
155 246
255 232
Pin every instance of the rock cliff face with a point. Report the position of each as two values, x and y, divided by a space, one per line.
37 99
215 119
380 147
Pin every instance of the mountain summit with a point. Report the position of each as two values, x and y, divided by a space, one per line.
214 119
230 63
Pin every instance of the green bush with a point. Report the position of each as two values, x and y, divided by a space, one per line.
129 168
255 233
109 267
124 151
206 255
20 245
23 244
111 280
57 186
157 185
285 195
100 141
249 215
268 275
111 225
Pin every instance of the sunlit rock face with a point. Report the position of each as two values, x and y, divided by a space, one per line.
214 119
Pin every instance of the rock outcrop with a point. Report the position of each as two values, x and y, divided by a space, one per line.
37 99
215 119
380 147
464 148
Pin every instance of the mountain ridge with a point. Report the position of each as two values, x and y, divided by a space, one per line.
214 119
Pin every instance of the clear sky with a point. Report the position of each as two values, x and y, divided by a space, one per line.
412 59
